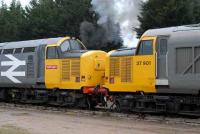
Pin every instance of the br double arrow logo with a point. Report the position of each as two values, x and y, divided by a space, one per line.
14 63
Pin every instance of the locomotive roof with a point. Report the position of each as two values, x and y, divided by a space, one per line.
29 43
123 52
172 30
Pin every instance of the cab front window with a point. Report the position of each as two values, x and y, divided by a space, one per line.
71 45
145 47
75 45
65 46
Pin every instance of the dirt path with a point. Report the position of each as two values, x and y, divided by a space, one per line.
40 122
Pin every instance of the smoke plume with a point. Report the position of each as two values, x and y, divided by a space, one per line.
117 19
104 36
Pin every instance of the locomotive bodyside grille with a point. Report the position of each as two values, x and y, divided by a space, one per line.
183 59
66 70
197 63
188 60
126 69
30 67
75 67
114 67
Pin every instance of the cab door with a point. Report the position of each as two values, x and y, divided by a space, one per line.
52 67
144 65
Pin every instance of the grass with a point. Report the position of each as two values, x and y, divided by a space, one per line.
9 129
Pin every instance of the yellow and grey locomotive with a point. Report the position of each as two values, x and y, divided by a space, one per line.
55 70
162 76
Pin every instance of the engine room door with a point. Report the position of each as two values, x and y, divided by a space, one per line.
162 61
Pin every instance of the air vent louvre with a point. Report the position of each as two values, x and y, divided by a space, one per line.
114 67
66 70
75 67
126 69
30 67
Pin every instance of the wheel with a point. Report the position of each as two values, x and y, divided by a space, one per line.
116 107
90 103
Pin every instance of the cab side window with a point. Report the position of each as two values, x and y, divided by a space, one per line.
52 53
29 49
145 47
18 50
8 51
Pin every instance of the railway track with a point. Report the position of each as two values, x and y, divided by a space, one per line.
192 121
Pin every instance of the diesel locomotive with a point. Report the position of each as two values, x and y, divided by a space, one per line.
56 70
161 75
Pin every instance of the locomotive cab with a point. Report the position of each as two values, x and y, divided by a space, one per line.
166 61
144 65
132 72
54 71
70 66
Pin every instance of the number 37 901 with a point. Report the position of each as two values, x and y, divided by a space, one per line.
145 63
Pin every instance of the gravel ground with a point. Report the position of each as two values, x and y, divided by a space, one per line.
22 121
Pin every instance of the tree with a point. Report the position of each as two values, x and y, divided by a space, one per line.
159 14
11 19
56 18
50 18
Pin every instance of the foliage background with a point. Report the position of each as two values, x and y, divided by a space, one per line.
55 18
